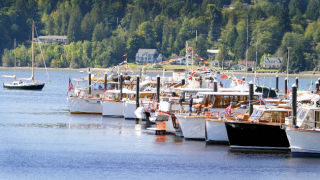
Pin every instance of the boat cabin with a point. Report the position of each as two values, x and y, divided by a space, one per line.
269 114
224 99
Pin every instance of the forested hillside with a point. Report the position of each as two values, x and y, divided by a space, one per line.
100 31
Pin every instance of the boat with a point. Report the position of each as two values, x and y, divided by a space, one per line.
24 83
81 101
204 127
262 131
304 137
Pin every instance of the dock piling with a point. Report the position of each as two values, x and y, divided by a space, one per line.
251 98
137 92
121 83
294 105
158 88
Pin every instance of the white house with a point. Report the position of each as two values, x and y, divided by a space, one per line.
272 62
148 56
52 39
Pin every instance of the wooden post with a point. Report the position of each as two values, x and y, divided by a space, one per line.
251 98
294 105
183 82
286 86
158 88
297 82
121 82
137 93
105 81
215 86
89 93
200 79
317 87
277 83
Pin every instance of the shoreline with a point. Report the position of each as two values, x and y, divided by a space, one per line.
306 74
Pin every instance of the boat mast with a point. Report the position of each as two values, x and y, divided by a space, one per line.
255 71
247 49
32 54
15 60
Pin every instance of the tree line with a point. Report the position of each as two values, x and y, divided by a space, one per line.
100 31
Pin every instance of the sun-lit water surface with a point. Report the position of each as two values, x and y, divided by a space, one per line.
39 139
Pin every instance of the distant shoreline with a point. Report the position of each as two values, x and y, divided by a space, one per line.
306 74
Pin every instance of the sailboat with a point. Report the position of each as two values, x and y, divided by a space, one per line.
20 83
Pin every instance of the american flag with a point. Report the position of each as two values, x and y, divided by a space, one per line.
70 85
227 111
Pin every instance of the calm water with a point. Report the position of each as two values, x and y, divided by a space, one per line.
39 139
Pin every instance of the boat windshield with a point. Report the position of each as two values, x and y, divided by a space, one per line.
256 114
301 113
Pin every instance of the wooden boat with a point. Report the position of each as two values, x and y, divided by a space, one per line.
262 131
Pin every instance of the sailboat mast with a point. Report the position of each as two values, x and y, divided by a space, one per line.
15 60
32 54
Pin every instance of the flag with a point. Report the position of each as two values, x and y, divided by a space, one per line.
70 85
227 111
224 76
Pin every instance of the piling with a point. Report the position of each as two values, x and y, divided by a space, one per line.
215 86
105 81
200 80
137 93
158 88
250 98
297 82
89 93
286 86
277 83
317 87
294 105
319 80
121 84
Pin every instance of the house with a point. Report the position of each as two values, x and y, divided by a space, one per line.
180 60
148 56
215 63
238 67
52 39
227 63
212 53
272 62
251 64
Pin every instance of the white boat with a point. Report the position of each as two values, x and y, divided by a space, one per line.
79 105
81 102
216 131
304 139
112 108
192 127
196 127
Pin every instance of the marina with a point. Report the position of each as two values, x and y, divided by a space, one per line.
43 138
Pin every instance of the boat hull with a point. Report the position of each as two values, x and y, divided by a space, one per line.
304 142
256 136
113 109
192 127
37 86
216 132
84 105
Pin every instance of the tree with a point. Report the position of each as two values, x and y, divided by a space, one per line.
313 9
74 25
